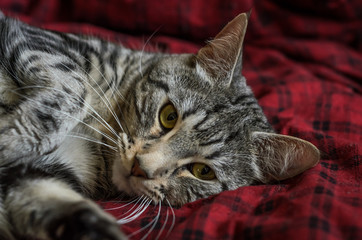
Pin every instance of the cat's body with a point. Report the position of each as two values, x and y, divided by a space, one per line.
83 118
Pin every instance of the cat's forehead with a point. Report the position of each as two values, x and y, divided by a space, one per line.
180 73
177 69
177 62
187 89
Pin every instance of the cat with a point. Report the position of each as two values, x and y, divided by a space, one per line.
84 119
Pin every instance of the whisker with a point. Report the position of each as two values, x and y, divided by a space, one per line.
137 212
155 220
120 207
121 113
92 140
108 154
104 123
163 226
103 98
115 89
153 223
141 198
70 116
143 50
112 112
173 219
104 78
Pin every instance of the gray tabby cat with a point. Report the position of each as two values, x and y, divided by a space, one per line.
81 119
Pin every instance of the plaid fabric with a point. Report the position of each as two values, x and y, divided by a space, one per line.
302 58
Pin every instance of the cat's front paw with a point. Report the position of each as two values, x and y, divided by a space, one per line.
84 223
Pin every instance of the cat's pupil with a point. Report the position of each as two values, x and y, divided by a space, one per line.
172 116
205 170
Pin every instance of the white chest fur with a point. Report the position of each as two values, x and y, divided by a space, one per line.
76 154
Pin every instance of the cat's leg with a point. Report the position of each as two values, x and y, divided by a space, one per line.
5 233
47 208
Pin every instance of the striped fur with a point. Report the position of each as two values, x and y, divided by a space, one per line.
77 112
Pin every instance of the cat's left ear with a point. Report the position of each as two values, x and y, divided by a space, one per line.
280 157
221 58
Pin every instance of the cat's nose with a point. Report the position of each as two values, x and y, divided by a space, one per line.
137 170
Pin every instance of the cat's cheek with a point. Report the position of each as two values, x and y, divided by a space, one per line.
176 194
154 189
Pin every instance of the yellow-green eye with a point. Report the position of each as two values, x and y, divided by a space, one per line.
202 171
168 116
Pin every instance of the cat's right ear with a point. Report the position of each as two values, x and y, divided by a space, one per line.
221 58
280 157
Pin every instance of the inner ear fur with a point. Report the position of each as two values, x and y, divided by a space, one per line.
221 57
280 157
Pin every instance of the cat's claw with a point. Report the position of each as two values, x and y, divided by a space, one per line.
85 224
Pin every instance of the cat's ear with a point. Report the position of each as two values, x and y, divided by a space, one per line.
280 157
221 58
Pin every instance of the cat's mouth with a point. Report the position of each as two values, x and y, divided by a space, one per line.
130 178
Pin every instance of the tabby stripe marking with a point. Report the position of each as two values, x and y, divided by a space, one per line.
158 84
188 113
47 120
13 175
213 155
29 61
65 67
139 115
219 140
241 99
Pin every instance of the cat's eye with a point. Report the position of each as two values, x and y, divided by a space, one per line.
168 116
202 171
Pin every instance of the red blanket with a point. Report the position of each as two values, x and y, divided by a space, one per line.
303 59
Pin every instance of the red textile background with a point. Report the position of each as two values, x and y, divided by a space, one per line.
302 58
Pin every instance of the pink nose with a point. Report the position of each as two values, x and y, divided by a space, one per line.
137 170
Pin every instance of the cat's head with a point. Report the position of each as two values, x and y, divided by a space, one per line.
193 128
